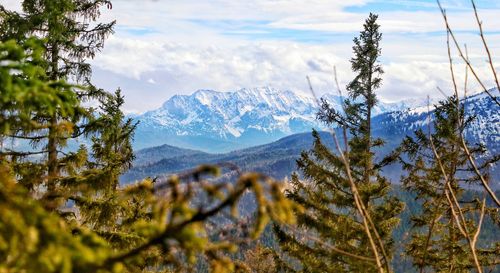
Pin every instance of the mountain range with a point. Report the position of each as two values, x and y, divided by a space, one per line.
277 158
213 121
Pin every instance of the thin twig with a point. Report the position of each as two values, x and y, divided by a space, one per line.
466 80
480 223
344 131
427 241
457 106
450 59
481 33
460 52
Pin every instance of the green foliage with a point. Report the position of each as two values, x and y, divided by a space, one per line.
63 210
436 240
23 90
34 240
325 192
164 230
259 259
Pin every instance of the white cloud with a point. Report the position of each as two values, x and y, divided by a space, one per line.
169 47
400 21
12 4
181 69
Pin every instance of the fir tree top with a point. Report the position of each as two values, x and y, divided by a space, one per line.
365 64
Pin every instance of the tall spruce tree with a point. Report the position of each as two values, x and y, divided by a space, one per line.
94 187
70 36
32 239
325 192
87 177
437 241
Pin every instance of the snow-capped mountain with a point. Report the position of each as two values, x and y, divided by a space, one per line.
484 128
277 158
220 121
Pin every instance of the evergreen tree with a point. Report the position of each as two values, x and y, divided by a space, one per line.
95 188
331 215
70 36
437 241
32 239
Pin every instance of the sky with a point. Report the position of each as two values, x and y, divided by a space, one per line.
161 48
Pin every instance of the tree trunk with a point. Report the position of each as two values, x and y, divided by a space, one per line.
52 164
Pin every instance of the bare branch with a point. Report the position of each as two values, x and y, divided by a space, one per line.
464 58
481 33
480 223
427 241
478 173
457 106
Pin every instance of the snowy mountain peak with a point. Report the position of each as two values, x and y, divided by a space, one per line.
242 118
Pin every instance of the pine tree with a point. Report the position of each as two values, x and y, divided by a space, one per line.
331 215
437 241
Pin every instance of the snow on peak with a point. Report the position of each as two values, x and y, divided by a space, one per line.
207 97
262 113
232 114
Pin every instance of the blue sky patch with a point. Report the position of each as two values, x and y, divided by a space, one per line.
421 5
135 31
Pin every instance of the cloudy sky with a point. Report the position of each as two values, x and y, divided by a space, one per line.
167 47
